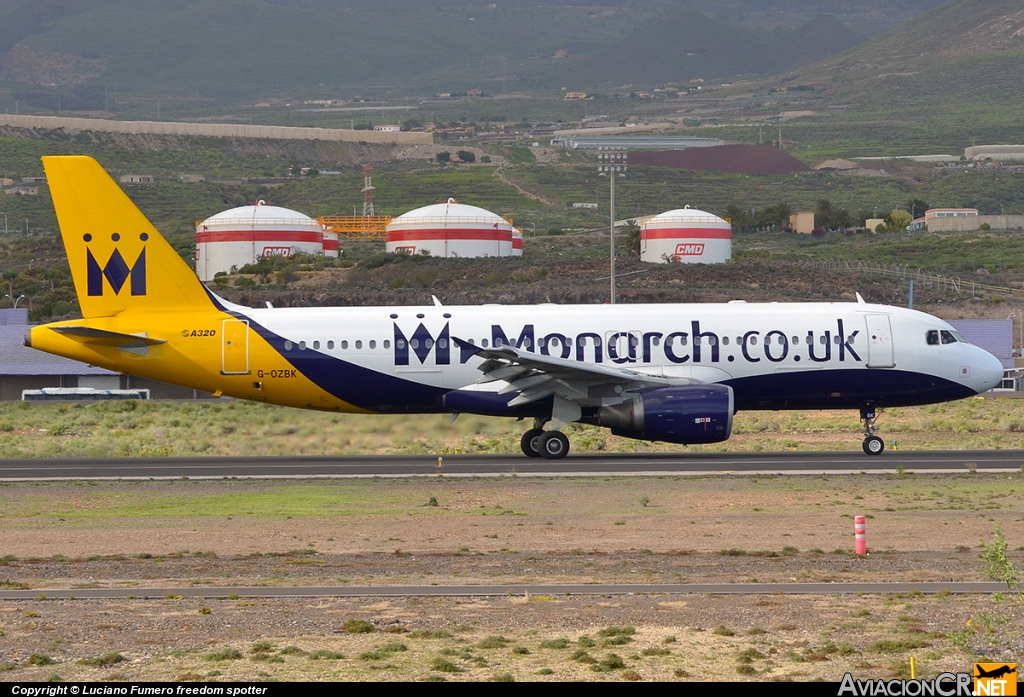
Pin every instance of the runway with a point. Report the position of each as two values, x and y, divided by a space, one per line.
928 588
612 464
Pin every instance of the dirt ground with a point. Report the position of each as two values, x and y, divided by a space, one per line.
505 531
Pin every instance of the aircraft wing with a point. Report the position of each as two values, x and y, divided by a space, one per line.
535 376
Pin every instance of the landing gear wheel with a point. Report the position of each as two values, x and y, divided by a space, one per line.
553 445
873 445
529 442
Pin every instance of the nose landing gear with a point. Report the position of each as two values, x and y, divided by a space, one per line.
873 445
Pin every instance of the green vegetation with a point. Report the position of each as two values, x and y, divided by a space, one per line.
107 659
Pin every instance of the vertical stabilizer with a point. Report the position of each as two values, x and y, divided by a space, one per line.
119 262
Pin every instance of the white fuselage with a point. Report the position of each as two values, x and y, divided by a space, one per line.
774 355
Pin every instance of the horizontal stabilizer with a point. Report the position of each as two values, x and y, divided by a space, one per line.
91 335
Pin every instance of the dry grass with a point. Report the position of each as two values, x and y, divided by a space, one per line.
240 428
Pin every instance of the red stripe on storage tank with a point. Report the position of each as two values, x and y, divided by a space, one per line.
449 234
260 236
686 233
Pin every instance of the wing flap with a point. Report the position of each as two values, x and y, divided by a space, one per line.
535 376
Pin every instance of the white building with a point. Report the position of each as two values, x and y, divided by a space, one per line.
242 235
686 235
452 230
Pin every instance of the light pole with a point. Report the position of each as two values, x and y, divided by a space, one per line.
612 161
20 297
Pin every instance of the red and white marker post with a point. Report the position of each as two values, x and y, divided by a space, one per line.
860 535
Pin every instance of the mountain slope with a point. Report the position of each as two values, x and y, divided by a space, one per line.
238 49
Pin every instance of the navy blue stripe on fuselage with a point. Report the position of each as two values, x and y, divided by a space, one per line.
359 386
843 389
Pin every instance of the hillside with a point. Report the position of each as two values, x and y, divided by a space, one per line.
954 72
89 54
690 45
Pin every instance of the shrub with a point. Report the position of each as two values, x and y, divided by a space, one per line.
443 665
40 659
326 655
225 654
107 659
555 644
609 663
353 626
493 642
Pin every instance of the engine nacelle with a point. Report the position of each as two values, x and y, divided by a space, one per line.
691 415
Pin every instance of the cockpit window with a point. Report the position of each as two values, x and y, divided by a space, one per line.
933 337
947 337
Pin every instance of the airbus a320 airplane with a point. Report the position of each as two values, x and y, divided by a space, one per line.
673 373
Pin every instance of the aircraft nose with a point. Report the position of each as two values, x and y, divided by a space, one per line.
989 372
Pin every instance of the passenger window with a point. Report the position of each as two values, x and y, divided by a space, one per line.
413 343
400 344
302 345
387 343
316 344
483 342
442 343
287 346
634 341
725 341
796 340
835 339
330 345
947 337
359 344
373 344
932 337
344 344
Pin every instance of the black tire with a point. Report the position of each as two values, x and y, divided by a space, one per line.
553 445
529 442
873 445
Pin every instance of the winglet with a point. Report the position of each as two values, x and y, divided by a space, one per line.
860 300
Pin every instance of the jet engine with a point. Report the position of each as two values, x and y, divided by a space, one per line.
691 414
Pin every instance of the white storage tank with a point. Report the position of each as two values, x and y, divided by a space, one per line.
242 235
450 230
330 244
517 243
686 235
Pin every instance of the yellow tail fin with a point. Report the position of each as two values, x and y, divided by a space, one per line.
119 262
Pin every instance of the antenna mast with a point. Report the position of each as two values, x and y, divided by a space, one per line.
368 190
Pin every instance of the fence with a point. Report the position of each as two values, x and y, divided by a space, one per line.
927 280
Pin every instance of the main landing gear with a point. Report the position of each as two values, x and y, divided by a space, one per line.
873 445
550 445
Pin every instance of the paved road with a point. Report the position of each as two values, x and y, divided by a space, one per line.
512 589
505 465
